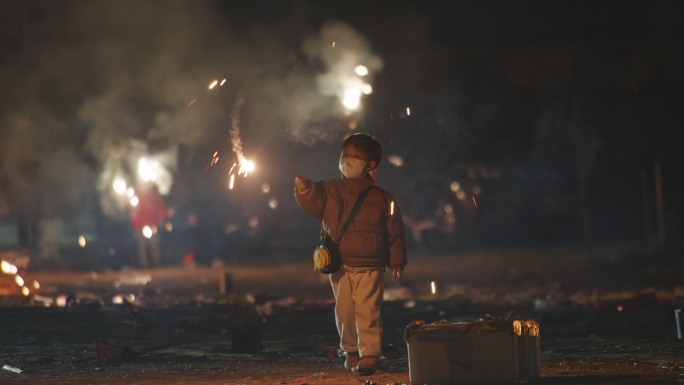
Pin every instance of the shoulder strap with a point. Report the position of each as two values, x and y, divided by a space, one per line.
353 212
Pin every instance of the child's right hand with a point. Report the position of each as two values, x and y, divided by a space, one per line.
302 183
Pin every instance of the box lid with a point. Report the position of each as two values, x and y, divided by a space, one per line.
441 329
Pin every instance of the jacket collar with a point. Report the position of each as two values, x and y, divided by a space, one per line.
358 185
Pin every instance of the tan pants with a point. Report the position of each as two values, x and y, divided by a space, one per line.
358 296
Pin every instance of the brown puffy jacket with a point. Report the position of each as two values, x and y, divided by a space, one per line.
375 238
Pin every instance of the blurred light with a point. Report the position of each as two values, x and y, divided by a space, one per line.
117 299
169 227
25 291
130 298
147 232
333 45
111 251
408 111
455 186
484 173
474 201
496 174
61 300
352 125
7 267
249 166
36 285
461 195
130 192
273 203
448 208
620 308
134 201
222 81
265 188
119 186
213 84
396 160
253 223
477 190
352 98
19 280
367 89
81 241
433 286
154 229
148 170
472 174
232 181
392 208
361 70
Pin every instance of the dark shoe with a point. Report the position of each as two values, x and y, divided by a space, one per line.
368 365
351 361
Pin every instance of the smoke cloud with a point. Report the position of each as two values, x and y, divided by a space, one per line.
121 80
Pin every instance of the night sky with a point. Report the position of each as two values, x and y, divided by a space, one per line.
564 101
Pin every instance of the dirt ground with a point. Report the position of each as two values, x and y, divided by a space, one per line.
606 317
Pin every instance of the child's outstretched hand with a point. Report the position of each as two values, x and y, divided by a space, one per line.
396 274
302 183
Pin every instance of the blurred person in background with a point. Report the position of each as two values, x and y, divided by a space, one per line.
146 217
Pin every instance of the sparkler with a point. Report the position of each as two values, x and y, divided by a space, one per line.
213 84
244 166
408 111
214 160
222 81
474 202
433 287
192 102
392 208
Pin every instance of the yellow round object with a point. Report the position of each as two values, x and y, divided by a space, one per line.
321 258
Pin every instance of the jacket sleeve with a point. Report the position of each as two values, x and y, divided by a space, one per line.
313 199
395 228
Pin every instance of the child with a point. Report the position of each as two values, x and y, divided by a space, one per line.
374 239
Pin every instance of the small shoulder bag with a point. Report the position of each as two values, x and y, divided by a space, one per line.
327 258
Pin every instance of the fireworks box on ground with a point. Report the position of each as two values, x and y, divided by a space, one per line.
488 350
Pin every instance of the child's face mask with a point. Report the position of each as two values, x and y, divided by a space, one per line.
352 168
